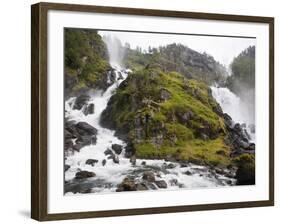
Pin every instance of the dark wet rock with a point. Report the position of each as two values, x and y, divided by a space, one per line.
67 134
103 162
151 186
120 76
86 140
91 162
229 182
84 174
183 165
108 152
81 101
127 185
68 144
219 171
237 127
83 128
161 184
228 120
77 147
133 160
66 167
148 176
82 133
114 158
117 148
70 129
188 173
243 144
169 166
185 117
252 146
143 163
89 109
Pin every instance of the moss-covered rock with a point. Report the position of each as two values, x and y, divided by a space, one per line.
183 123
86 61
245 174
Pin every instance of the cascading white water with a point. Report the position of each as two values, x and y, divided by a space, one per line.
111 174
234 106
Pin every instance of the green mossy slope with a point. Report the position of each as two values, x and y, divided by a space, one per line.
165 115
86 60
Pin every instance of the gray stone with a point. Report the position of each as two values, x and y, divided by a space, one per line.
84 174
161 184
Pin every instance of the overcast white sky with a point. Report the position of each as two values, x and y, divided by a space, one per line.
223 49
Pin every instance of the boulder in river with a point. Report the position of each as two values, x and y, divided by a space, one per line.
108 152
89 109
127 185
188 173
148 176
81 101
103 162
161 184
91 162
117 148
83 128
66 167
114 158
84 174
143 163
169 166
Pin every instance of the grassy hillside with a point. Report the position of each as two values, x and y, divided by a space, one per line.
165 115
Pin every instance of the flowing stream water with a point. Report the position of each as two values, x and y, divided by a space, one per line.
111 174
235 107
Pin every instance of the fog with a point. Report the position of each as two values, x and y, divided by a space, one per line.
223 49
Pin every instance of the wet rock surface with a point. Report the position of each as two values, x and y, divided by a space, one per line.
84 174
78 135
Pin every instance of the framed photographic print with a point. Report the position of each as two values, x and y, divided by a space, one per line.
138 111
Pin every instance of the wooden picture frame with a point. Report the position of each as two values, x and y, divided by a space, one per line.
39 109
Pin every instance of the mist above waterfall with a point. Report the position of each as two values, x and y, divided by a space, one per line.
115 50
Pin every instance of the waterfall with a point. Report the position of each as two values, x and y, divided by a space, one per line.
108 175
111 174
115 51
235 107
